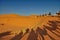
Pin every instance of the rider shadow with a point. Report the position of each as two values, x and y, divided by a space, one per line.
32 35
18 36
5 34
43 32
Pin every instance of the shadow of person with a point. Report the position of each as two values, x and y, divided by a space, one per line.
32 35
5 34
43 32
18 36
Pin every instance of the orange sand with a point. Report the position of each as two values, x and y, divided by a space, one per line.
16 23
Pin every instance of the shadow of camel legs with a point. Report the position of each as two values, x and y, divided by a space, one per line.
50 29
43 33
54 24
53 27
40 32
18 36
58 22
48 34
32 35
57 31
51 37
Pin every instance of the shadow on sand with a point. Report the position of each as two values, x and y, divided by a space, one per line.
32 35
20 35
42 32
53 27
5 34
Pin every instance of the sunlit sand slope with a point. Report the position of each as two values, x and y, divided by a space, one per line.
33 27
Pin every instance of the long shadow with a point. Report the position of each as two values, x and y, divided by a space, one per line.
18 36
57 31
32 35
58 22
53 25
51 37
5 34
48 34
27 31
40 32
50 29
43 32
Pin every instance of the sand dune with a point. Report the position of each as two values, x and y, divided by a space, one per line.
29 27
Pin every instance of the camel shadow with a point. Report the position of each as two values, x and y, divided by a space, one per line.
18 36
58 21
53 27
32 35
42 33
53 24
5 34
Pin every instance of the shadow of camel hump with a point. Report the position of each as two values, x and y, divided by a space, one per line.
32 35
18 36
5 34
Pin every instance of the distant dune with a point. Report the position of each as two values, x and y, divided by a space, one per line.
33 27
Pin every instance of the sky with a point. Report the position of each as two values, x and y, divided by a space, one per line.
27 7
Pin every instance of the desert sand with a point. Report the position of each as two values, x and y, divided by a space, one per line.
32 27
